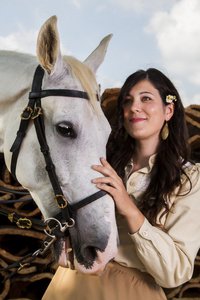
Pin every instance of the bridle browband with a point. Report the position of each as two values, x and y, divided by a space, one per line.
33 111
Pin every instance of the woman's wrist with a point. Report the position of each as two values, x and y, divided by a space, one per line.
135 220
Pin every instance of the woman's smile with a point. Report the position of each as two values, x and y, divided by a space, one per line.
137 120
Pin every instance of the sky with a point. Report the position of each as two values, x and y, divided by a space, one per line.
163 34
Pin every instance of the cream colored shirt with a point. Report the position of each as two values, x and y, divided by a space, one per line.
168 257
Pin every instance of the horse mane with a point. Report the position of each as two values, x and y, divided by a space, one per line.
86 77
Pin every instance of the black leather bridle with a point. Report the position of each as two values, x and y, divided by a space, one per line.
34 111
59 223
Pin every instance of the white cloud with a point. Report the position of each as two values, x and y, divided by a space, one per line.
196 99
140 6
23 41
76 3
107 82
178 37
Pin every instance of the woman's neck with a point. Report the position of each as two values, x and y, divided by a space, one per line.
144 150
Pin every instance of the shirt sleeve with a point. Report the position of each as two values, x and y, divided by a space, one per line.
169 257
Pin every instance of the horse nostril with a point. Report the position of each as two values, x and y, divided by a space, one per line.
89 254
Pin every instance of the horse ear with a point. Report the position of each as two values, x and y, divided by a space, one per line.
48 44
96 58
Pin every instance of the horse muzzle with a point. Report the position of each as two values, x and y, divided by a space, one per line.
93 238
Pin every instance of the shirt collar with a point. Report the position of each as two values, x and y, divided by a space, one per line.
144 170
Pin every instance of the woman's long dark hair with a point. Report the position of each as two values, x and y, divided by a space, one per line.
172 153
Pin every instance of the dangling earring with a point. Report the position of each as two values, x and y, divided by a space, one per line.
165 132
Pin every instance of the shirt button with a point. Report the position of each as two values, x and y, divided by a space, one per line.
145 233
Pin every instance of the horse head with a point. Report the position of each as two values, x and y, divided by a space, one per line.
76 131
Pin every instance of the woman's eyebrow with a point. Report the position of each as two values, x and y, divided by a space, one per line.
145 92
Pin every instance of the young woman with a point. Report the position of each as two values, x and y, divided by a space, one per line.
156 190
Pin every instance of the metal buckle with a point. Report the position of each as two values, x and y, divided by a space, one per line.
24 223
26 110
62 227
61 205
37 112
46 246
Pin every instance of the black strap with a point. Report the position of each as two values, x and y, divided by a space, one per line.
74 207
23 221
60 92
88 200
20 264
40 131
25 118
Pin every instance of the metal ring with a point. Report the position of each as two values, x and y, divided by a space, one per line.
73 223
50 235
47 221
67 225
62 228
53 219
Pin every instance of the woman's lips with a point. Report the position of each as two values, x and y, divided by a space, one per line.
137 120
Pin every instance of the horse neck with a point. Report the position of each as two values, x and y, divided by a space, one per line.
16 72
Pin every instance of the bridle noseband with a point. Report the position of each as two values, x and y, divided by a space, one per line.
59 223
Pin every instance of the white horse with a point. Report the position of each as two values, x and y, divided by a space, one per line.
76 131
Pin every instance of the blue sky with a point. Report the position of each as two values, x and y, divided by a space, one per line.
164 34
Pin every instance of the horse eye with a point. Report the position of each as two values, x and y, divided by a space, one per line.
66 130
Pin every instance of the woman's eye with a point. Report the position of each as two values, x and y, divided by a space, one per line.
66 130
128 100
146 98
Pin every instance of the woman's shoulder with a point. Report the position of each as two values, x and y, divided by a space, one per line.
191 174
191 168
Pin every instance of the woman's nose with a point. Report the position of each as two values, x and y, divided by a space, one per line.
136 106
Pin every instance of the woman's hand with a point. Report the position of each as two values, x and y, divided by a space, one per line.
113 184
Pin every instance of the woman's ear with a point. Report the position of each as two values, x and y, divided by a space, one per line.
169 111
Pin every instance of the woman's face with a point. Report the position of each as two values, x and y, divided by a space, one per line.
144 112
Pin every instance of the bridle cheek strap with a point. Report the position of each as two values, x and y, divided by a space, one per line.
33 111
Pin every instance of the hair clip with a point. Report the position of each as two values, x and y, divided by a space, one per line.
170 98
